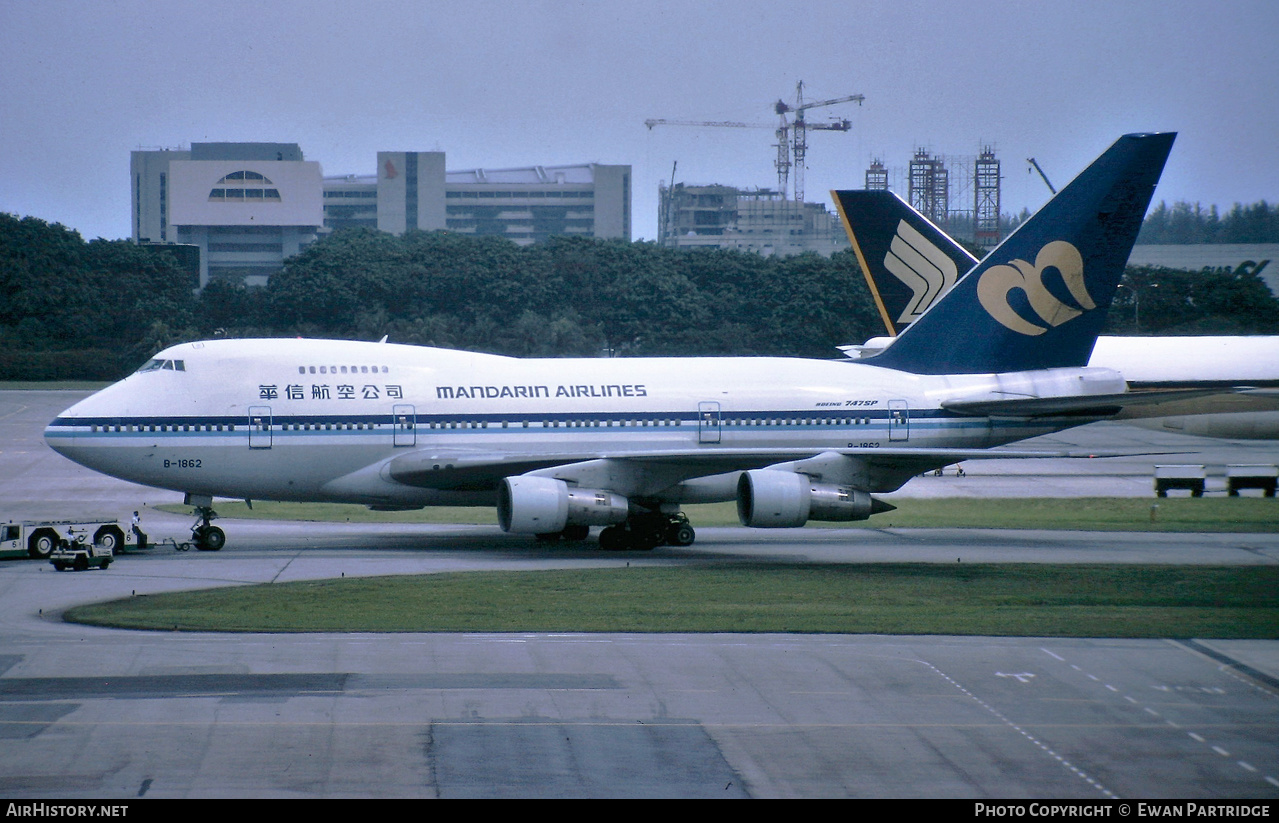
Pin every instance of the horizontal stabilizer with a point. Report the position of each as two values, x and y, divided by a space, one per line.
1100 405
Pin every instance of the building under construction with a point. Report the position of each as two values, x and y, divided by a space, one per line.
762 221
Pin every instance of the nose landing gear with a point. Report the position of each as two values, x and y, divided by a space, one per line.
207 537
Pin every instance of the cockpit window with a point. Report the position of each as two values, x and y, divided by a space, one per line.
158 363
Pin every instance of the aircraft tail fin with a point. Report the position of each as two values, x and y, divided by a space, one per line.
909 262
1040 298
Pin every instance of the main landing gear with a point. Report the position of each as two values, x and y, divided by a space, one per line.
645 532
640 532
206 537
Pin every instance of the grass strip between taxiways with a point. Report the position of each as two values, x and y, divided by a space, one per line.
1014 599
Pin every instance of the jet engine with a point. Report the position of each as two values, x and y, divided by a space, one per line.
543 505
768 498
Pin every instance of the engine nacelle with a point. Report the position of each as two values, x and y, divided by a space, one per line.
543 505
768 498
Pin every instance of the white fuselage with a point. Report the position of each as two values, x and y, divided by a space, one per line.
1183 361
1155 362
322 420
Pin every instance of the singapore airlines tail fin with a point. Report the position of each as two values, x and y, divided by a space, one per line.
1039 300
908 261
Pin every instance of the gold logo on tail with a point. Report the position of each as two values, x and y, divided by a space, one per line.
997 281
924 268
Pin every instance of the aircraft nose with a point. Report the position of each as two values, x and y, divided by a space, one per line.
57 434
67 433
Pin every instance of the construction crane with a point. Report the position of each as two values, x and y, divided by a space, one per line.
799 130
781 176
1032 162
792 137
728 123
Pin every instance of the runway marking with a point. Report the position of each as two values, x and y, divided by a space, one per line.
1036 741
1225 669
20 409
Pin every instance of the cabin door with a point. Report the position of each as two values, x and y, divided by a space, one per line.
404 423
259 427
708 422
898 420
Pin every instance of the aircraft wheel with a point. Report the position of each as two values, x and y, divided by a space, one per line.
681 534
576 532
210 539
613 539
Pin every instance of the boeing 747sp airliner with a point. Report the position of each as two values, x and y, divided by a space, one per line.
562 445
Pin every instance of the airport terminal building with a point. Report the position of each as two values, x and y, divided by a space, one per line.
248 207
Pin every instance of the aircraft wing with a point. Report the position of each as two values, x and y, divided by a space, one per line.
652 471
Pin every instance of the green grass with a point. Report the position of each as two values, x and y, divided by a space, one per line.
970 599
1173 514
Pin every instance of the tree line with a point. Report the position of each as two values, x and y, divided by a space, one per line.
76 310
1185 223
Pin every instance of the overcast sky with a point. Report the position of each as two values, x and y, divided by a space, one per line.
509 83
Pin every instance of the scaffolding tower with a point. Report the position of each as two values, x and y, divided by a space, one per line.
877 176
986 199
929 190
960 193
